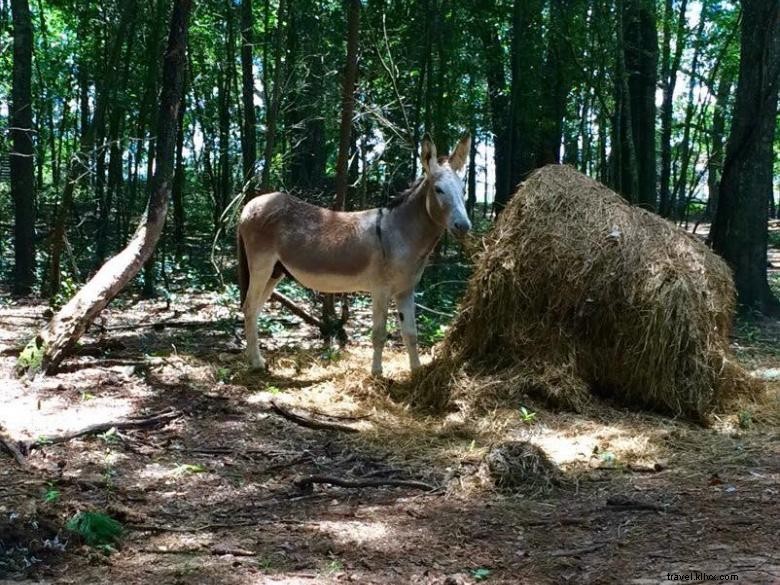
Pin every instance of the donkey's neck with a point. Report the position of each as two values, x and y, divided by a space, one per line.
412 222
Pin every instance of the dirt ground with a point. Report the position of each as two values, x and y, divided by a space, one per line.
209 493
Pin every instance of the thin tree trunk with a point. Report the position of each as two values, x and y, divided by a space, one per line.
715 161
349 83
22 159
347 104
177 192
249 146
739 232
669 80
69 324
273 98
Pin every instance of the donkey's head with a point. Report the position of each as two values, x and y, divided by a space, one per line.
445 194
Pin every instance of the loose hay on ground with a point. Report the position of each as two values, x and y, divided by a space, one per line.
578 292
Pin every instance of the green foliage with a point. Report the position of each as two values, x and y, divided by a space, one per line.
188 469
52 494
480 574
31 357
527 416
68 289
96 528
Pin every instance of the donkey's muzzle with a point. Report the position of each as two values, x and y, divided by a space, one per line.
460 228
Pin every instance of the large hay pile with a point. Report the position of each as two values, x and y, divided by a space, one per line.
579 292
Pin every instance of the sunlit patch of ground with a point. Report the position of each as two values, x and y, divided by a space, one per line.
211 496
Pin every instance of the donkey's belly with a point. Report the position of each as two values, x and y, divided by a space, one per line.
332 283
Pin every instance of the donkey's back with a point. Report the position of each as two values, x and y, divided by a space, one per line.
326 250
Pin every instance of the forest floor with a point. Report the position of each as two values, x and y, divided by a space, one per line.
209 493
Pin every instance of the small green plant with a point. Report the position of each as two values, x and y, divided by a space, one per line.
188 469
745 419
86 396
480 574
331 354
334 566
68 289
96 528
527 416
31 358
224 375
273 389
110 436
52 494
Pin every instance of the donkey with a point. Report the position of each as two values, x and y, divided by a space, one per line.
382 251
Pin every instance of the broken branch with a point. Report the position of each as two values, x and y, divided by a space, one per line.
309 422
307 482
104 427
8 445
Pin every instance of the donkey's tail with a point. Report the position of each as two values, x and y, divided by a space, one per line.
243 267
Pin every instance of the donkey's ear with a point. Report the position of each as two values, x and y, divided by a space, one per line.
461 153
428 154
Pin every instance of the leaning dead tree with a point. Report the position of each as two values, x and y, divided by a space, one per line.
69 324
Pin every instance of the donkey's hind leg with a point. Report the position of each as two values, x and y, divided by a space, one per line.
261 285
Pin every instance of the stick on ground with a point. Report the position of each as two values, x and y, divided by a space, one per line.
309 422
307 482
103 427
8 444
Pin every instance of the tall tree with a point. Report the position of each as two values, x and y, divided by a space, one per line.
739 232
22 159
249 144
69 324
347 103
636 87
349 83
670 65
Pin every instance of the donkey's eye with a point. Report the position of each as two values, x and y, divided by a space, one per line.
439 190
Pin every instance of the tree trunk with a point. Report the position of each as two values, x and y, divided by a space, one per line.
715 161
177 191
669 80
332 324
347 103
499 109
22 157
273 96
67 326
249 146
739 232
640 45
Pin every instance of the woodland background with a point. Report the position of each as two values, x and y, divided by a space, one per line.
640 94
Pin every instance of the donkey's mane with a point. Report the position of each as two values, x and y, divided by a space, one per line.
402 197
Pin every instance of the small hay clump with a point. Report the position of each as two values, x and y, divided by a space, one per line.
519 465
578 292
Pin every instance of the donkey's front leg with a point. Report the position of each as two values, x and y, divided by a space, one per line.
379 330
408 323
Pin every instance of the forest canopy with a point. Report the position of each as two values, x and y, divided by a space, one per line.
639 94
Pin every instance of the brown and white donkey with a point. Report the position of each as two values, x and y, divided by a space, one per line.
382 251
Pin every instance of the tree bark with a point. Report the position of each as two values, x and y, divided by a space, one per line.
640 50
669 80
715 161
67 326
332 324
249 146
22 157
739 232
499 109
347 103
273 96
